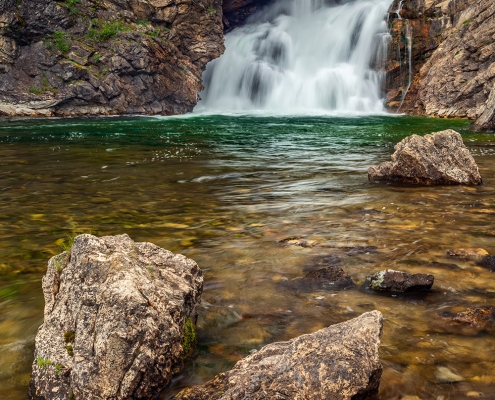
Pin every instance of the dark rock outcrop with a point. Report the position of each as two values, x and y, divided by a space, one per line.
399 282
88 57
452 60
118 319
488 262
338 362
439 158
328 278
235 12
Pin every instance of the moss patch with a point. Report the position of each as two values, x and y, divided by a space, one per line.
69 337
189 338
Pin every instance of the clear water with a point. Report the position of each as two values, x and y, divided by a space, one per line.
302 56
224 191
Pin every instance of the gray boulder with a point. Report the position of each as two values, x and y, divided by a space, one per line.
119 318
439 158
399 282
338 362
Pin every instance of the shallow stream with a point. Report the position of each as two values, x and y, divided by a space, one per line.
225 191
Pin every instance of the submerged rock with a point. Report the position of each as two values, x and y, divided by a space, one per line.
118 319
488 262
467 253
471 322
445 375
400 282
328 278
338 362
436 159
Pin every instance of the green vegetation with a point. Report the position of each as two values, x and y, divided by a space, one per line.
466 21
45 86
155 32
58 368
69 337
72 6
59 41
43 362
142 22
189 337
70 350
211 10
68 243
102 32
96 58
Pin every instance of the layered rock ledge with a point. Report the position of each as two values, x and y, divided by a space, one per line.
338 362
439 158
119 316
92 57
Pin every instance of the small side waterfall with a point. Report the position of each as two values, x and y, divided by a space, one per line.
302 56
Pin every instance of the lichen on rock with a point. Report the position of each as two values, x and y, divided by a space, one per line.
113 330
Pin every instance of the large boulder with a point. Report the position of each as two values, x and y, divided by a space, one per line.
439 158
338 362
119 318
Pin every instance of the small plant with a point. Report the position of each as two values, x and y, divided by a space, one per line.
211 10
189 337
70 350
58 368
96 58
457 52
150 270
35 90
59 40
142 22
43 362
72 6
69 337
154 33
44 87
68 243
104 70
108 30
466 21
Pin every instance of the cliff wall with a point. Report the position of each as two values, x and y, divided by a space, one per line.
452 59
94 57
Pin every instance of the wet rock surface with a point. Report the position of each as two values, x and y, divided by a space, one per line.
340 361
440 158
118 319
399 282
328 278
467 253
91 58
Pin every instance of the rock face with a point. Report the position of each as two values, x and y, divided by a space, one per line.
436 159
118 318
400 282
91 57
453 59
236 11
338 362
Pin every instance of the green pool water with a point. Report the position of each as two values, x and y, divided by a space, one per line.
225 190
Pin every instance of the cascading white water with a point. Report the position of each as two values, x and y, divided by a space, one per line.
302 56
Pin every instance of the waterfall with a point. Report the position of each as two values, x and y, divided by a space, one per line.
300 57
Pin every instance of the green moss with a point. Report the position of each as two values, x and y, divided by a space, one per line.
211 10
189 338
72 6
466 21
71 395
96 58
43 362
70 350
69 337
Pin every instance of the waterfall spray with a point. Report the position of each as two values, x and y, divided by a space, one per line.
302 56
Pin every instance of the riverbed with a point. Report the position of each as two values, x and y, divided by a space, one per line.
237 194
